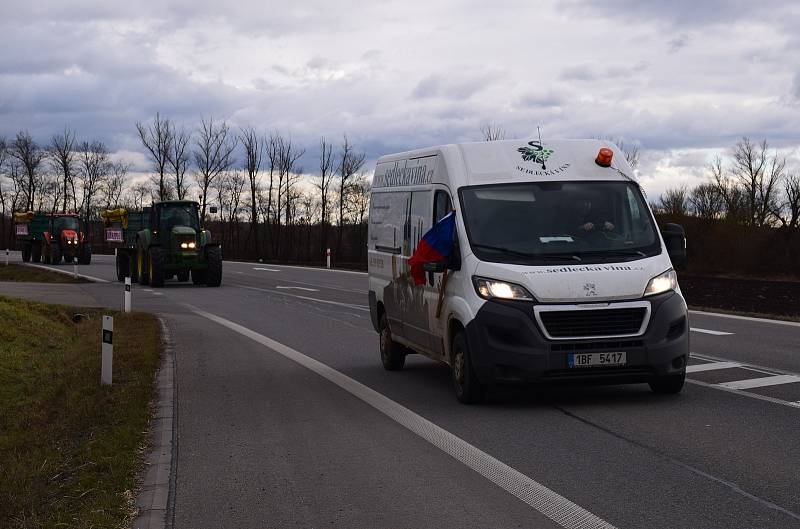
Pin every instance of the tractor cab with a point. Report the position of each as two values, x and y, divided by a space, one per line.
176 224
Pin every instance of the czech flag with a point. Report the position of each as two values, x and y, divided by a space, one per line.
435 246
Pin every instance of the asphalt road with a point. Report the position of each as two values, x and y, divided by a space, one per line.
286 419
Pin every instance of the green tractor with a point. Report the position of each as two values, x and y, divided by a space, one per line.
162 242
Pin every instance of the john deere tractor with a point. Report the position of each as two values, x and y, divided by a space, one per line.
162 242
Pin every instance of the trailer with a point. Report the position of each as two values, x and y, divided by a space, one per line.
51 237
162 242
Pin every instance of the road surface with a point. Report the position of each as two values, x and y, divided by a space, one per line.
285 418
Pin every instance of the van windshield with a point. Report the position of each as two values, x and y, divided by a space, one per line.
562 222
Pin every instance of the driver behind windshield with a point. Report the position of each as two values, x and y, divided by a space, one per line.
590 220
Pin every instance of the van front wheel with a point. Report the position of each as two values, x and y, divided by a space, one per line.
468 388
393 355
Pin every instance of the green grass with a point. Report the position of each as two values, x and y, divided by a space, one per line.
32 274
70 449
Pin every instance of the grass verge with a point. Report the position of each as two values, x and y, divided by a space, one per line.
31 274
70 449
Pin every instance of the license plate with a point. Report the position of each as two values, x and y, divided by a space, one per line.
596 359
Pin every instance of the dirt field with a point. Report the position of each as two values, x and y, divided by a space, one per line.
779 298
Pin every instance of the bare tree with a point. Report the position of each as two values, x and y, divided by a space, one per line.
673 201
4 190
350 163
706 201
178 158
114 184
759 174
254 146
492 131
323 184
136 196
29 156
630 151
732 195
94 168
157 138
62 158
229 187
792 201
213 155
287 156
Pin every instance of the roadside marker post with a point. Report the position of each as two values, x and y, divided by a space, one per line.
107 351
74 270
328 257
127 294
6 256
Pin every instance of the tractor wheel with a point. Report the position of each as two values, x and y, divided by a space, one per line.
26 253
183 275
36 252
155 267
141 267
86 254
214 271
55 253
123 266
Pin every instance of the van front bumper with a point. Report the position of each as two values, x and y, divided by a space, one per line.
507 346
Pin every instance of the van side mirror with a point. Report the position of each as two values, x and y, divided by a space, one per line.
675 241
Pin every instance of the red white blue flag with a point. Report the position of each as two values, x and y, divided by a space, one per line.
435 247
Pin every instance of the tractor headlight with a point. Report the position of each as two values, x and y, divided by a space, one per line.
491 288
184 245
662 283
192 245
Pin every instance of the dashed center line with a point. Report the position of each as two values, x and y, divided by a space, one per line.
266 269
709 331
298 288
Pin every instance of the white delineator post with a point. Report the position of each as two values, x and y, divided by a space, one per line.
75 270
328 257
127 294
6 256
108 350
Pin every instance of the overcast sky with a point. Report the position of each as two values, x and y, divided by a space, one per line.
684 79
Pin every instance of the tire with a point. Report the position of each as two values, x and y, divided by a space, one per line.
141 267
183 275
55 253
123 267
155 267
214 270
199 277
668 384
36 252
86 254
26 253
468 388
393 355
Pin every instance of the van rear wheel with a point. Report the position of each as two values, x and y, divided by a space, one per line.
469 389
393 355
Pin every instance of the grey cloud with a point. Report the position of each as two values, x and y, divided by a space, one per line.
451 87
593 72
678 43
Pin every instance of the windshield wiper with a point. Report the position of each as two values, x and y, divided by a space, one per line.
619 252
546 256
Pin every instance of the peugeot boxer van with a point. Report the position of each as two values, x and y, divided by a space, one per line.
558 270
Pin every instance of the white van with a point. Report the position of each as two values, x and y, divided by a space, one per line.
558 272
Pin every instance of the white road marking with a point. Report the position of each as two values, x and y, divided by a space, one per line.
751 383
298 288
747 394
713 366
329 302
746 318
708 331
146 290
548 502
266 269
317 268
67 272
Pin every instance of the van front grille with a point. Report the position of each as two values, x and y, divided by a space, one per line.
589 323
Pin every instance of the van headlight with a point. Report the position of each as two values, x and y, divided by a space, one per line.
662 283
492 288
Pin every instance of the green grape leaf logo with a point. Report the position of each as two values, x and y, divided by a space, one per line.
535 153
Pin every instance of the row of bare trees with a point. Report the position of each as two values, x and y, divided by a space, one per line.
65 174
752 187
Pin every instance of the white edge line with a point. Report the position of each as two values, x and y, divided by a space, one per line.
338 303
548 502
753 367
762 382
747 394
67 272
746 318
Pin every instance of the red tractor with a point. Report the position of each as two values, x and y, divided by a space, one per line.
65 238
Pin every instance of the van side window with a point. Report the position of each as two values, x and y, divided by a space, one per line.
417 220
388 220
441 205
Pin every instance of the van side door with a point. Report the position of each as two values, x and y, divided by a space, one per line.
442 205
